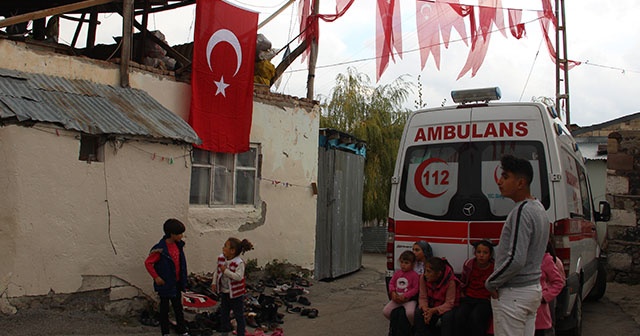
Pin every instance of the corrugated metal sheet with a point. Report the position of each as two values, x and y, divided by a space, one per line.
88 107
339 214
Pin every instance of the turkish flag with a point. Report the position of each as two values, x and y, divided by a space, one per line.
224 49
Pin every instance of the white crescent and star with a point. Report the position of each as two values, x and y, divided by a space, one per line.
224 35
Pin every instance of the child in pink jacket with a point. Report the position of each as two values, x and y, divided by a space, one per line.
552 281
403 286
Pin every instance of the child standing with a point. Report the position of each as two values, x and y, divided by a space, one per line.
438 296
475 299
229 282
552 281
167 265
403 286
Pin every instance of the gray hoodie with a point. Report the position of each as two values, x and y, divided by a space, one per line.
523 242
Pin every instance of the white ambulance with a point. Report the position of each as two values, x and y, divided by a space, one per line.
444 188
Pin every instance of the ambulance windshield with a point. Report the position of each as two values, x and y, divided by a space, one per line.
458 181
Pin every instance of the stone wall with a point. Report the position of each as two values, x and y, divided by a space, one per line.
623 193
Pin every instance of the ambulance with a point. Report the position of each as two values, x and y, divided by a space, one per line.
444 188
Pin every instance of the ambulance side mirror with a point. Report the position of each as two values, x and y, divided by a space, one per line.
604 212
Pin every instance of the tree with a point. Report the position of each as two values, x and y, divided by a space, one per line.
375 115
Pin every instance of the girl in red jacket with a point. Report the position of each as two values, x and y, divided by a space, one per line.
474 312
438 295
229 282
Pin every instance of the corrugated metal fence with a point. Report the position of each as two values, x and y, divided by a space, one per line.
339 220
374 239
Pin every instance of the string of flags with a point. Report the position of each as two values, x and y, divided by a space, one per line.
283 183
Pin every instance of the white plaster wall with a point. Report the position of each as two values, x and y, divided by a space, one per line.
54 210
289 141
60 228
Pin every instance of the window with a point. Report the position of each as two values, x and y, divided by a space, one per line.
441 181
91 148
224 179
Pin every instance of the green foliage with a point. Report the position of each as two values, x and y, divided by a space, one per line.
375 115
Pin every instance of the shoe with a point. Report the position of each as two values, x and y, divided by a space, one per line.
313 313
304 301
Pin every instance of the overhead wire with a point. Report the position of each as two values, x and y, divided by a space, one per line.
531 69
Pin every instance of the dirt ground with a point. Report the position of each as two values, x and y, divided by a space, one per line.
350 305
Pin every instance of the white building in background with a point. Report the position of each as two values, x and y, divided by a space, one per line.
84 199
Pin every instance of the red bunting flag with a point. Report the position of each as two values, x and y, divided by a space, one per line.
388 33
222 76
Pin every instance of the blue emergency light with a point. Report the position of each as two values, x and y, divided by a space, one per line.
484 95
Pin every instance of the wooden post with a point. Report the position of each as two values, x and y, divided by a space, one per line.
313 55
93 26
145 18
125 49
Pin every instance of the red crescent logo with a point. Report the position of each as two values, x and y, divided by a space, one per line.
495 174
417 178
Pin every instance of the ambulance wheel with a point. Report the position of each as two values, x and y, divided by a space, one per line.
576 315
597 292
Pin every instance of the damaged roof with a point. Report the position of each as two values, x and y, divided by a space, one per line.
88 107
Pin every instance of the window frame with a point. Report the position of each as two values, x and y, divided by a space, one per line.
209 164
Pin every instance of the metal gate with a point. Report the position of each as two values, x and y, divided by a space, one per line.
339 214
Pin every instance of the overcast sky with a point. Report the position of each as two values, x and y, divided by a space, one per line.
601 34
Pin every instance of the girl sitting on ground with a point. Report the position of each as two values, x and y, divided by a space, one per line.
473 315
438 296
403 286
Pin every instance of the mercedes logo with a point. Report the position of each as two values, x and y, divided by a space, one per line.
469 209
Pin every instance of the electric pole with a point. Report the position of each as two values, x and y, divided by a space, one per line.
313 54
562 63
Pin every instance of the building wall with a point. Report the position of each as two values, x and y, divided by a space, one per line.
56 229
623 192
64 219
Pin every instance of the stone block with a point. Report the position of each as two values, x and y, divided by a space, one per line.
94 282
617 185
620 161
620 261
612 146
623 217
124 292
6 308
117 282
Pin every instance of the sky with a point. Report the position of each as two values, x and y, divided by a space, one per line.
601 34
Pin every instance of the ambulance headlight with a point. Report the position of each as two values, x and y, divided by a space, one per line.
476 95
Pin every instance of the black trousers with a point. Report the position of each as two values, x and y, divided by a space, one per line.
472 317
176 302
440 325
226 306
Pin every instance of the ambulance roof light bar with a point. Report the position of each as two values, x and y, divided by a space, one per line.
483 95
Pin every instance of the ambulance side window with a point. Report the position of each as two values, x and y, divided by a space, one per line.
584 192
572 183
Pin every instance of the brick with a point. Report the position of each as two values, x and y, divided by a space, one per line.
612 146
623 217
617 185
620 161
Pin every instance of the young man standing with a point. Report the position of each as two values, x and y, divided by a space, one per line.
515 283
